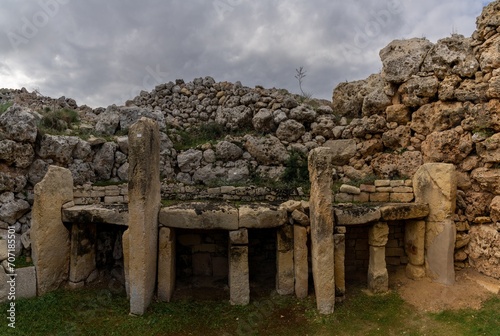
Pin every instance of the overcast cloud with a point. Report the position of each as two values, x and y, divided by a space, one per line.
104 52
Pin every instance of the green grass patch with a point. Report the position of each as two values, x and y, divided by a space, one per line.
22 262
210 132
105 312
59 120
4 107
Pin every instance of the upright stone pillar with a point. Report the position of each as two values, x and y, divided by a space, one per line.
239 282
436 185
50 239
166 264
126 257
300 256
322 222
378 278
339 256
415 248
284 260
143 207
83 246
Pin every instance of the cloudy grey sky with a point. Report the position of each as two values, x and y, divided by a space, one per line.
104 52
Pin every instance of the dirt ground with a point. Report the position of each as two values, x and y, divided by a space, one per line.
470 290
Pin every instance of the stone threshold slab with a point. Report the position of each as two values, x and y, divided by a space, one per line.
353 214
113 214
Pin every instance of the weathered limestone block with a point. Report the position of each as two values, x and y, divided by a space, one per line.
356 215
339 241
144 204
489 149
200 215
322 222
484 249
284 260
49 237
83 251
26 282
342 150
488 179
392 212
436 185
495 209
259 216
166 264
378 234
415 272
238 237
415 241
300 255
378 278
300 218
239 283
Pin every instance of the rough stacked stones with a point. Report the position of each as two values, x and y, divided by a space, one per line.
83 253
50 239
436 185
144 204
380 191
322 224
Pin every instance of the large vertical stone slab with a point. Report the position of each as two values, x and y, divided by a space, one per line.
166 264
143 207
126 257
436 185
415 248
83 250
300 256
339 256
378 278
322 222
239 280
50 239
284 261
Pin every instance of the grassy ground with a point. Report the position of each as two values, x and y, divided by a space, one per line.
104 312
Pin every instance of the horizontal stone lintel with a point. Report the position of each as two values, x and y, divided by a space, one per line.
116 214
361 215
212 215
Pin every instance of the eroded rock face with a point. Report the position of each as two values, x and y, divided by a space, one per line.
484 249
448 146
18 124
267 151
437 117
402 58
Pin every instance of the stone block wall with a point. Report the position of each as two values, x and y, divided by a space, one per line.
394 191
89 194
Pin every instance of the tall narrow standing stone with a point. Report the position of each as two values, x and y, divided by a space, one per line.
339 239
322 222
436 185
50 239
284 261
378 277
300 255
83 241
239 281
166 264
143 207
